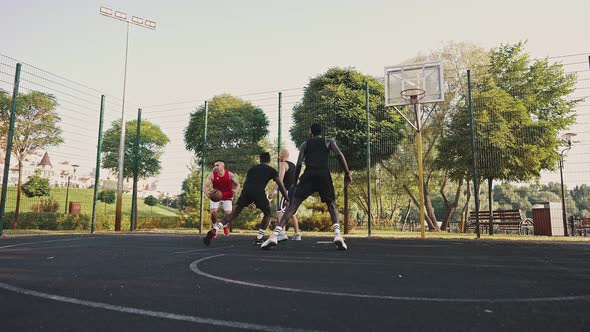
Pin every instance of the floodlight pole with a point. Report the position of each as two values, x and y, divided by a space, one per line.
203 163
149 25
119 204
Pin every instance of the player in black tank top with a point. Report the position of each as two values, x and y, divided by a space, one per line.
316 178
253 192
289 178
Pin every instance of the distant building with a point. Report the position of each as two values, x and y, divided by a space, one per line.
58 173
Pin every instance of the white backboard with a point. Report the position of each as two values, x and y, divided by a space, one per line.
427 76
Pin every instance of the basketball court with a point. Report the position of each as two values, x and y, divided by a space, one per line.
154 282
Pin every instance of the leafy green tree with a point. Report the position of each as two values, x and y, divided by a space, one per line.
581 195
235 129
336 99
151 148
107 197
5 109
36 186
150 201
36 128
519 108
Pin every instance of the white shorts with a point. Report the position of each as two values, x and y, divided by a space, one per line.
225 205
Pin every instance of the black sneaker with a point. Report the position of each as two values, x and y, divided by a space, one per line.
210 236
258 241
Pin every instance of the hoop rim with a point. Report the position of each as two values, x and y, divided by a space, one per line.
412 95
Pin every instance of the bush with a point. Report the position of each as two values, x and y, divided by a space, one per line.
157 222
74 222
46 205
48 221
317 222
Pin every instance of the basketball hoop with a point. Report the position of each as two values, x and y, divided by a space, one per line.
412 96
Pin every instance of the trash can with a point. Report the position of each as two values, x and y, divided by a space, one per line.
548 219
74 208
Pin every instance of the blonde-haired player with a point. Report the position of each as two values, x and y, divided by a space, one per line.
287 175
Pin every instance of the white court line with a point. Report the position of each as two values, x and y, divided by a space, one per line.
202 249
61 240
195 268
150 313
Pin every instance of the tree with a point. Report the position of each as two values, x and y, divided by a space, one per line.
5 105
107 197
36 128
581 195
519 107
336 99
151 148
235 129
150 201
36 186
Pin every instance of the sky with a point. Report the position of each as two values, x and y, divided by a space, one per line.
204 48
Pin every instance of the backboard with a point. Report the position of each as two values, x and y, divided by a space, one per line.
427 76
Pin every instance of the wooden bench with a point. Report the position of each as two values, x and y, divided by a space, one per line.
581 226
507 220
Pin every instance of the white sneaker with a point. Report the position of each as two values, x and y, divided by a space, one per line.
270 242
282 237
296 237
339 242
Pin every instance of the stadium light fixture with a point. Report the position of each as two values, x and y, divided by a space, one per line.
150 24
106 11
137 20
121 16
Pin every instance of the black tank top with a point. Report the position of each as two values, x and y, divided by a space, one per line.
289 178
316 154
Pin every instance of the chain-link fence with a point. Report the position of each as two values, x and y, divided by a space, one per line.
520 112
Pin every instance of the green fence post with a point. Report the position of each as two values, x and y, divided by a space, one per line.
133 221
203 167
9 147
473 155
97 171
368 156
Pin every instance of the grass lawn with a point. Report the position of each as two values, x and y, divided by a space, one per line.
84 196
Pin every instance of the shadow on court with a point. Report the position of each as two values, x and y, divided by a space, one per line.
154 282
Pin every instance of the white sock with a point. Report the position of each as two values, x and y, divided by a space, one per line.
278 230
260 233
336 229
218 226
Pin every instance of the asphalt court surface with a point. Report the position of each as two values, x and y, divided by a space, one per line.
158 282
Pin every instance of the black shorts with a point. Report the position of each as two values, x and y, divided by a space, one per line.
313 181
257 197
283 203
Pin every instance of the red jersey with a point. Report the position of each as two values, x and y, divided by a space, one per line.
223 184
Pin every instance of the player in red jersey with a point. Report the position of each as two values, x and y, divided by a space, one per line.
224 181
